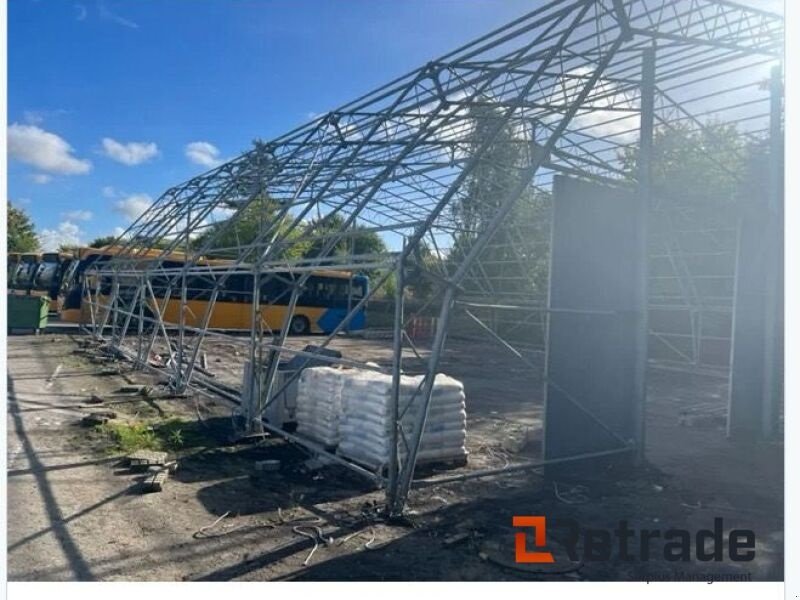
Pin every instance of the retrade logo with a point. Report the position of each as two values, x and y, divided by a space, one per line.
626 543
522 554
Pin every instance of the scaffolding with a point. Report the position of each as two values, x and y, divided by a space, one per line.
566 89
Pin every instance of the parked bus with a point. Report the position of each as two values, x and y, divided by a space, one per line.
325 300
13 259
22 268
48 275
79 276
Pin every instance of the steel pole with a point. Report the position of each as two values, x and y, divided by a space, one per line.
771 390
397 369
644 174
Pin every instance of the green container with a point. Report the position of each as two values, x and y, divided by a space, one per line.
27 312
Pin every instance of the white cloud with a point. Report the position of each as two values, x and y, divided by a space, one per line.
601 115
106 14
78 215
133 206
38 116
33 117
41 178
44 150
109 192
132 153
222 213
203 153
118 231
67 234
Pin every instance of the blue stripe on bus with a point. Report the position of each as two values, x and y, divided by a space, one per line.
333 316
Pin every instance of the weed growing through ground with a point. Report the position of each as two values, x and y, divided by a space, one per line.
171 434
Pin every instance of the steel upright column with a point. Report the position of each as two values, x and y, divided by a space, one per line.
772 303
397 368
255 401
644 173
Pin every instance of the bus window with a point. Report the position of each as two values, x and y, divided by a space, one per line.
275 291
199 287
358 290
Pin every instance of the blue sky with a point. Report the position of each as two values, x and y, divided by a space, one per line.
113 101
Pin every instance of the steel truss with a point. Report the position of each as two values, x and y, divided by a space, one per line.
566 79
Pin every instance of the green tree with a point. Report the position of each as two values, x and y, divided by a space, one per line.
423 263
694 168
702 181
515 259
358 241
244 227
105 240
21 236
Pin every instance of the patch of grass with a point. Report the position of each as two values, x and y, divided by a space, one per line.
171 434
130 437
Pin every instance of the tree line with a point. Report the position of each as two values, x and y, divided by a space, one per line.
691 168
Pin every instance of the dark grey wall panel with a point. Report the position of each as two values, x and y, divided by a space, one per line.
752 412
592 353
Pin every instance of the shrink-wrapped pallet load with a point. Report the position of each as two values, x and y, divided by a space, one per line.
365 425
319 404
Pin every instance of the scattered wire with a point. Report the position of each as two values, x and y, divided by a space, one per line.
367 544
197 412
575 495
201 533
317 536
371 541
202 530
299 530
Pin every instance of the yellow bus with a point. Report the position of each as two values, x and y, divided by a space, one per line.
324 301
73 309
48 275
21 268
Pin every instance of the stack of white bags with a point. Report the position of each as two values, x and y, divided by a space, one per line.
351 408
365 427
319 404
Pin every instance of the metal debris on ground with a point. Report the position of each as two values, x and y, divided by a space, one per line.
455 538
268 465
199 533
147 458
317 462
316 536
577 494
134 389
98 418
100 359
156 481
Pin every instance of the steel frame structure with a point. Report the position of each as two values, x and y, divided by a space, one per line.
568 79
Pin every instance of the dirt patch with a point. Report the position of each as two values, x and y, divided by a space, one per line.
75 512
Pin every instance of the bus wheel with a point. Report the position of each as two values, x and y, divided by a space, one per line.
299 325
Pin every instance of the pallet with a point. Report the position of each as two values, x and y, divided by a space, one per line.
446 464
155 482
143 459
